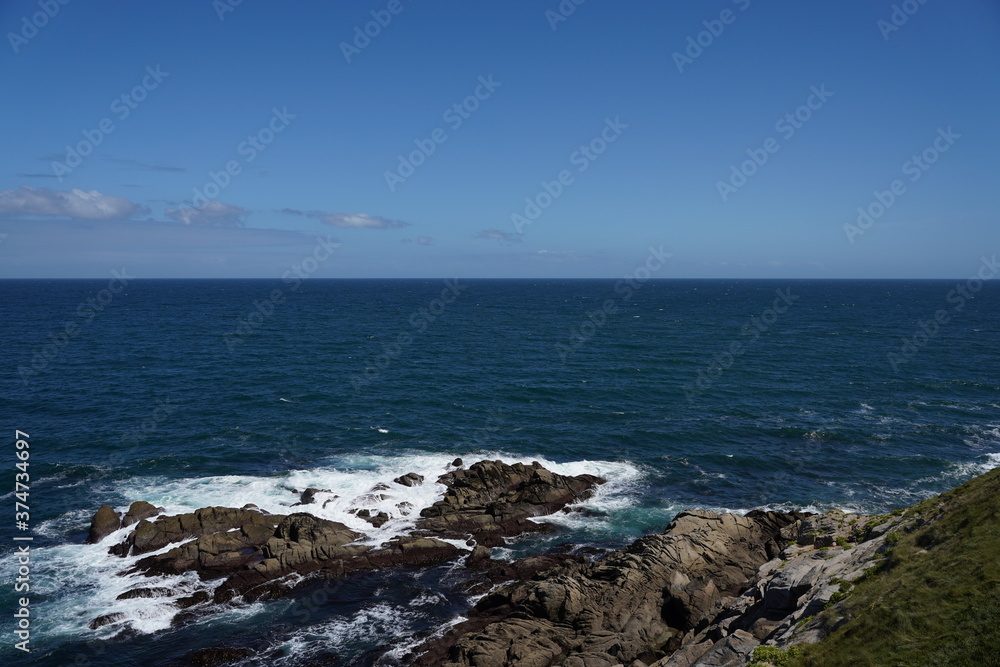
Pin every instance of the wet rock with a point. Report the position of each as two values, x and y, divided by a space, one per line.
199 597
154 535
105 522
479 555
145 593
410 479
457 463
309 495
213 657
138 511
107 619
491 499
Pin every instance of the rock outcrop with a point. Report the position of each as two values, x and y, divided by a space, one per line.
104 522
491 500
635 604
705 592
252 553
824 555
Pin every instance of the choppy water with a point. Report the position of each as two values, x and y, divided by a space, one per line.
681 393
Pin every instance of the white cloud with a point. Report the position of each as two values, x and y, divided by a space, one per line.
212 212
76 204
360 221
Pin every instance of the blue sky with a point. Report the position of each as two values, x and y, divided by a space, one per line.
645 141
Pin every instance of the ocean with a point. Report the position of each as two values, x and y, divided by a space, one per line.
731 395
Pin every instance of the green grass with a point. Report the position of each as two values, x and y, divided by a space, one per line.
939 608
772 655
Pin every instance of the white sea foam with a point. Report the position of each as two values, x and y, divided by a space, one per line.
378 623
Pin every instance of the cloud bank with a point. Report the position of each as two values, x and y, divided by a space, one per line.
75 204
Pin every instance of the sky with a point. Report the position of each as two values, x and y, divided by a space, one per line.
498 139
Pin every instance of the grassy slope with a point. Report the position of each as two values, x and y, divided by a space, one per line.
941 607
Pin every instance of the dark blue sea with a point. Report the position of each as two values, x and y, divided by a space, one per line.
860 395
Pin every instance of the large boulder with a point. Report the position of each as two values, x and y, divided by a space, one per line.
104 522
138 511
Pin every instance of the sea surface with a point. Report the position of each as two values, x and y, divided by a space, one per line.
728 395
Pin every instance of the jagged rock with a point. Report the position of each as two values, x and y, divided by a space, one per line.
191 600
491 500
733 651
138 511
145 593
107 619
410 479
789 584
105 522
309 495
154 535
634 604
478 555
789 590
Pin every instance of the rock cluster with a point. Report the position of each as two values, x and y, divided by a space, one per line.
705 592
107 521
635 604
252 552
491 500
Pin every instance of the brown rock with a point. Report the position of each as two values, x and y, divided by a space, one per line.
491 499
410 479
105 522
138 511
634 604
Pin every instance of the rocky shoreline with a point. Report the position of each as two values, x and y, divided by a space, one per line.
256 555
706 591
